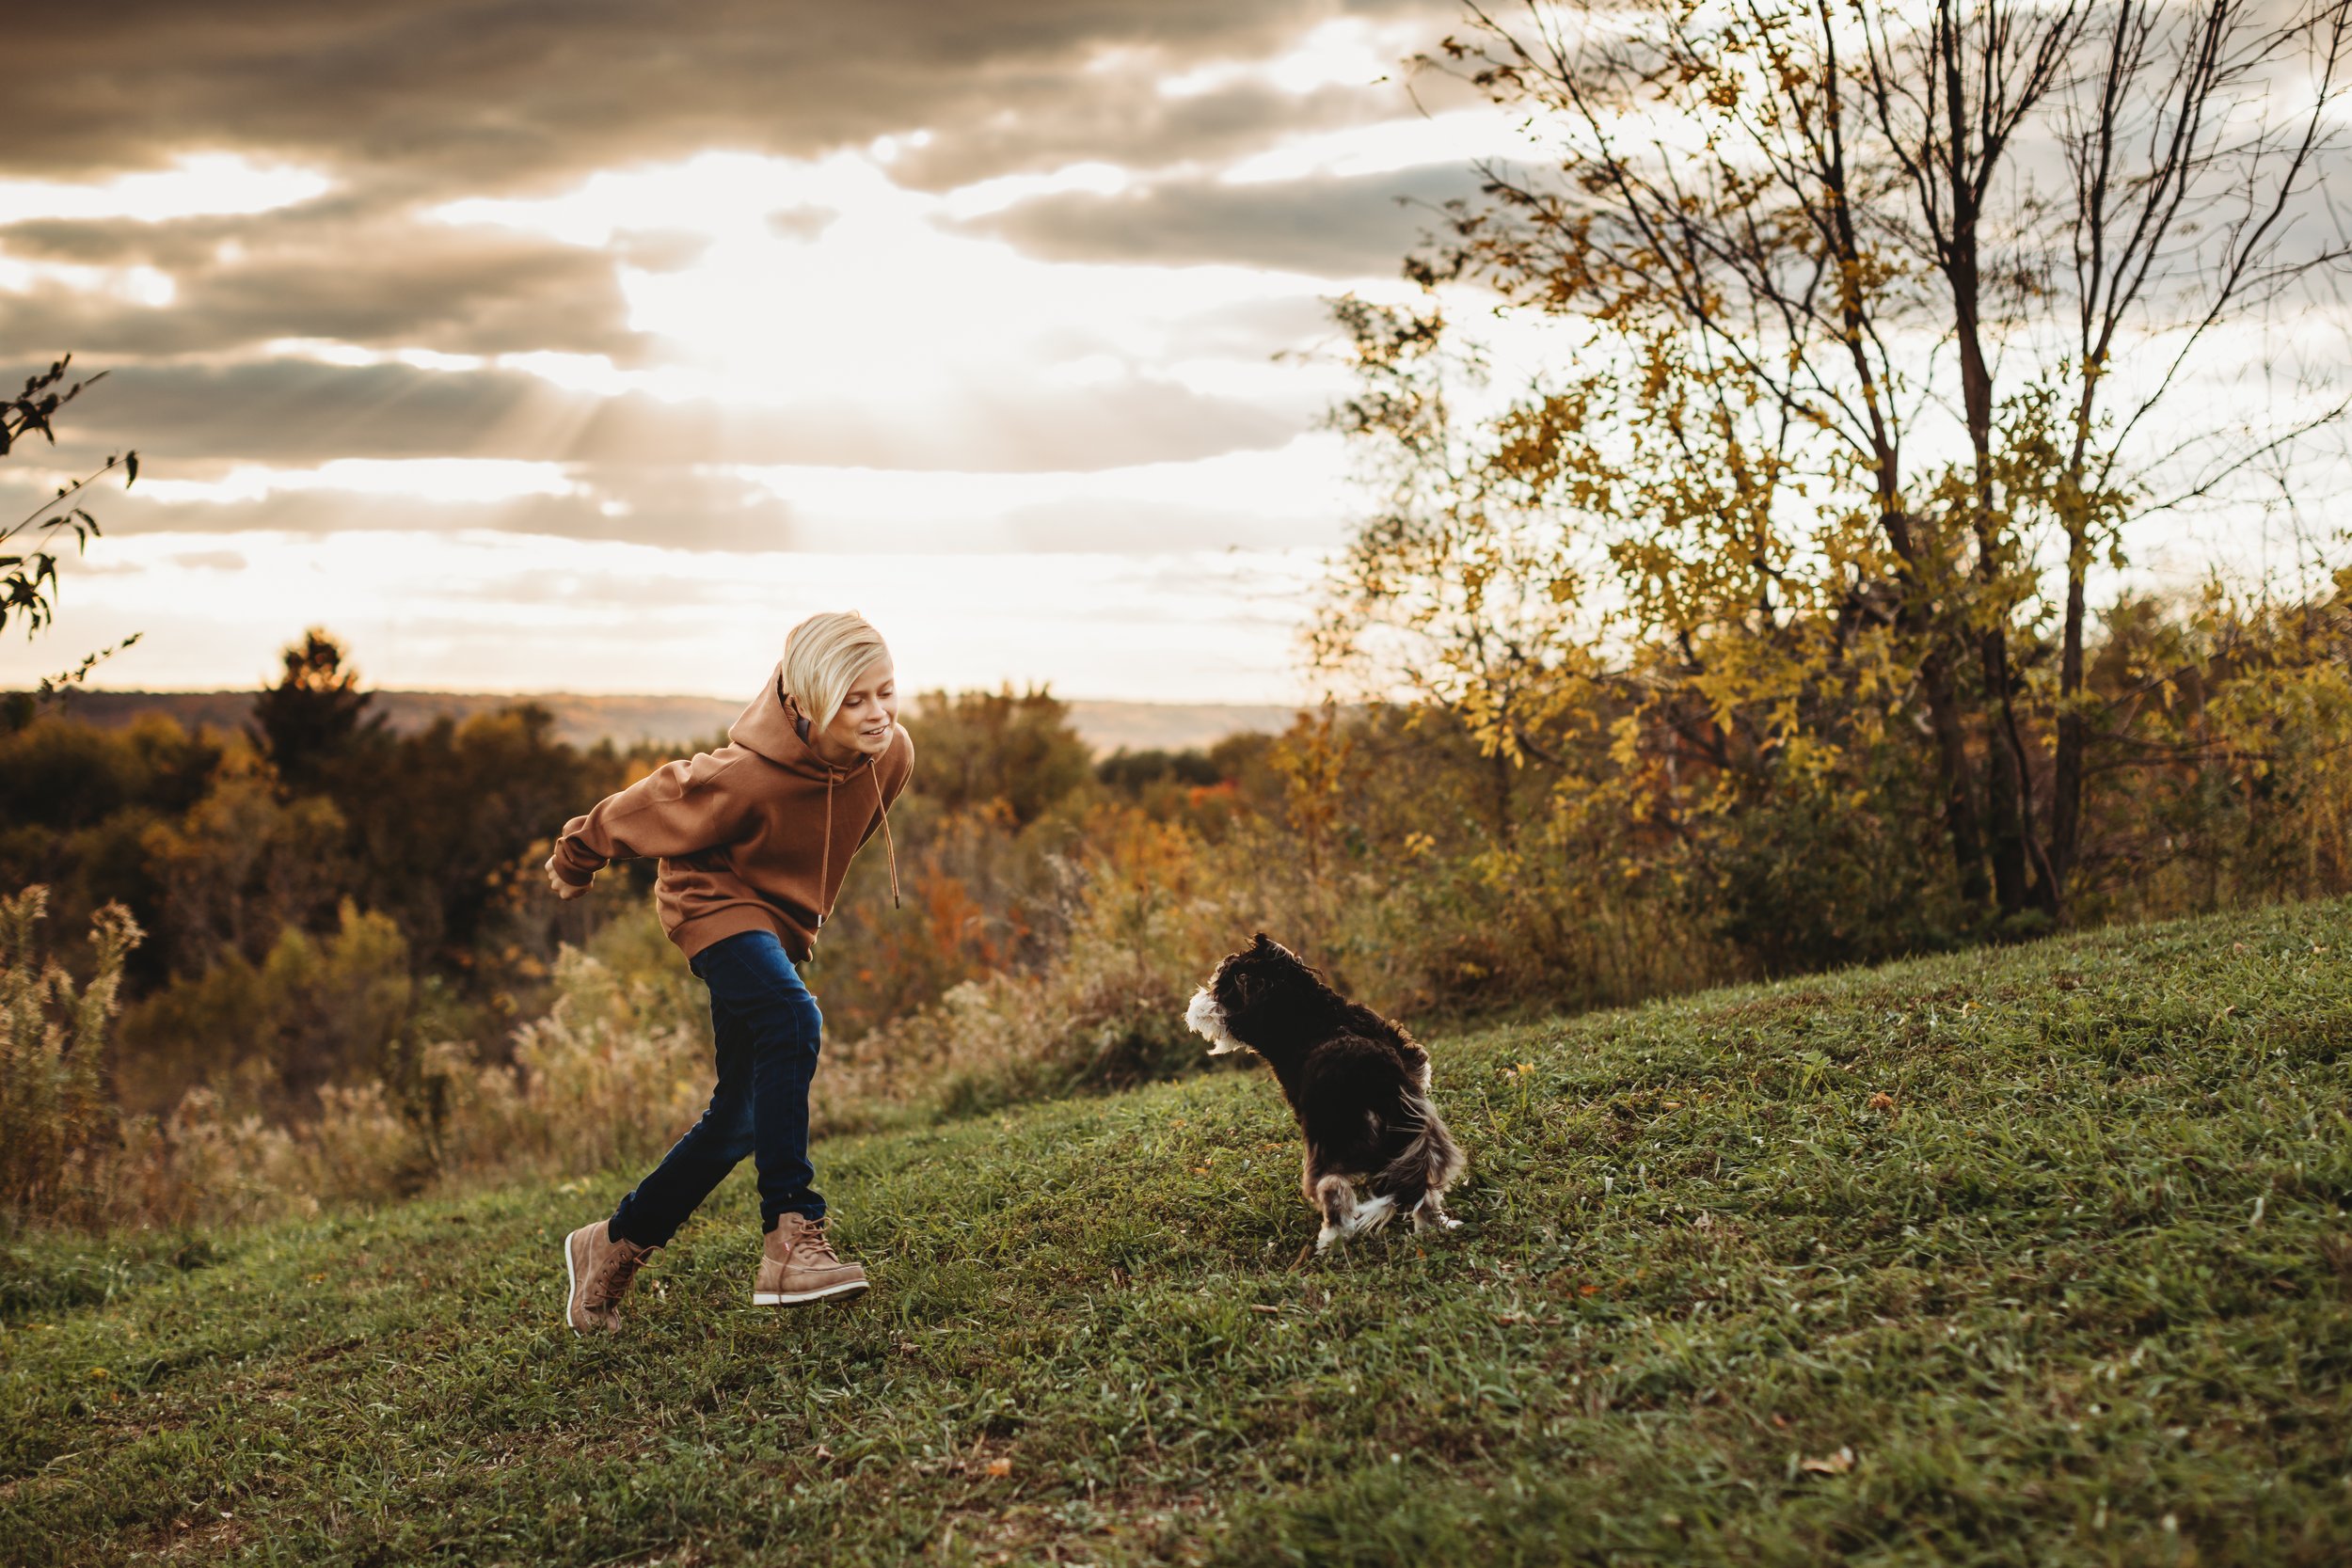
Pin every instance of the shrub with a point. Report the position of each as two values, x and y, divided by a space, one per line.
615 1070
610 1076
1147 908
54 1116
315 1010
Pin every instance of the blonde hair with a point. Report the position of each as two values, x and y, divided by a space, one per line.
825 656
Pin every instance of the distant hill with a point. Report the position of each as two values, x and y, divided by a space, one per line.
1171 727
683 722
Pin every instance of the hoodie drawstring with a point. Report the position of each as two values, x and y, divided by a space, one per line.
824 866
890 845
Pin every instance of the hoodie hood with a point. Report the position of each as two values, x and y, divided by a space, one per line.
769 725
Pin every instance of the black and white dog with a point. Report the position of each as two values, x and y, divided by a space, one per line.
1358 1084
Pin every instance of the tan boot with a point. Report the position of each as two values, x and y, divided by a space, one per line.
598 1269
797 1264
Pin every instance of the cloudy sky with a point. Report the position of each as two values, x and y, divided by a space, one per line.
586 347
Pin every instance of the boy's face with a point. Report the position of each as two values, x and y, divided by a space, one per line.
868 713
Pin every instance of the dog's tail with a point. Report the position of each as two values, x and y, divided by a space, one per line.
1429 1164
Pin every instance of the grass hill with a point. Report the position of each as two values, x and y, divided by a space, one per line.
2033 1257
681 721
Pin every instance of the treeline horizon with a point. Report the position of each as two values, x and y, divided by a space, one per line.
651 719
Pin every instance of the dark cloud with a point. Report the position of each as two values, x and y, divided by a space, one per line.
120 242
376 279
298 413
490 94
679 510
1126 120
187 241
1330 227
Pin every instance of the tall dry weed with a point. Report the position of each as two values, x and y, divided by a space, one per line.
609 1077
55 1120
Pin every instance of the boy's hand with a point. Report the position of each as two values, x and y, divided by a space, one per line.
563 888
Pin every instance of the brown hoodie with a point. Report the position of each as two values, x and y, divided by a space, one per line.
754 836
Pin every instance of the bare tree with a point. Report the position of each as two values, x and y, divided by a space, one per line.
1916 293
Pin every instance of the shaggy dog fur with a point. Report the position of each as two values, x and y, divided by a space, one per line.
1359 1085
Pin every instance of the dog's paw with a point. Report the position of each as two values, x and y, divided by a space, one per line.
1325 1237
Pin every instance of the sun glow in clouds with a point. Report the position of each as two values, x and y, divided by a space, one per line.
435 480
1462 137
137 285
1107 481
888 306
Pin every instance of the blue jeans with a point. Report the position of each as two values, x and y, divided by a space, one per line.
767 1025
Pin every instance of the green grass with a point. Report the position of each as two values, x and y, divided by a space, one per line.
2033 1257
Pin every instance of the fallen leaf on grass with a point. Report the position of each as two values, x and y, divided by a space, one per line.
1836 1464
1000 1467
1881 1101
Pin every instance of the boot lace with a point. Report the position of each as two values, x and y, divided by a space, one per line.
813 1246
619 1270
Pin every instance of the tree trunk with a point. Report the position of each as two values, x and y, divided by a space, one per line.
2008 786
1954 772
1506 828
1956 775
2066 779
